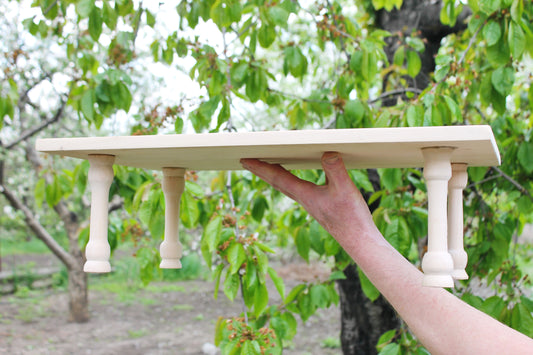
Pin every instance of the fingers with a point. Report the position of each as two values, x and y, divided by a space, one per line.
281 179
336 174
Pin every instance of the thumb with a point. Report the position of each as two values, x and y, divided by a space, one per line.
335 171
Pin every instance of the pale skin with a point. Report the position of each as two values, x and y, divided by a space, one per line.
441 321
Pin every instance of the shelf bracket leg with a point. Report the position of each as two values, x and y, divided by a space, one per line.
455 220
100 177
171 249
437 263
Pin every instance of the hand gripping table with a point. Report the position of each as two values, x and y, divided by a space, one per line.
443 152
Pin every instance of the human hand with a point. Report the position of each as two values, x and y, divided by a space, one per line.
338 205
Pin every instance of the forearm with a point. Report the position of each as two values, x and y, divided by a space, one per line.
426 309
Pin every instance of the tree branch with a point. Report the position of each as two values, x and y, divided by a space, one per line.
394 93
520 188
29 133
38 229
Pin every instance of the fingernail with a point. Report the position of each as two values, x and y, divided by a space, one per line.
332 159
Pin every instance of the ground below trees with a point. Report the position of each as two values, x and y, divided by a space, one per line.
163 318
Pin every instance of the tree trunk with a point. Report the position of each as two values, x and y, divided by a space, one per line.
363 321
78 300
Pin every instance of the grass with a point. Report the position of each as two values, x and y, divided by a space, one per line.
135 334
163 288
19 247
182 307
331 343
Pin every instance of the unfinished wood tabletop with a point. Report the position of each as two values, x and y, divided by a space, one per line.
360 147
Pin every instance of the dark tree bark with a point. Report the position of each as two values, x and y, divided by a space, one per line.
363 321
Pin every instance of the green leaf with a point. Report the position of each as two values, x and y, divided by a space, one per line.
295 292
522 320
262 261
266 35
150 18
189 212
399 56
294 62
499 54
49 8
386 338
224 13
415 116
236 257
337 275
211 234
39 192
398 234
517 8
256 84
391 178
109 16
525 156
368 288
489 6
250 276
279 15
319 296
260 299
414 64
493 306
354 111
87 104
391 349
291 325
260 205
454 108
95 23
231 285
503 80
278 282
216 277
476 20
121 96
331 246
360 178
492 32
84 7
369 65
517 40
303 244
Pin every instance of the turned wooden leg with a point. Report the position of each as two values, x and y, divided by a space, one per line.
437 262
100 178
171 249
455 220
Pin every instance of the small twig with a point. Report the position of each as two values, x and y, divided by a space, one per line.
490 178
520 188
394 93
299 97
